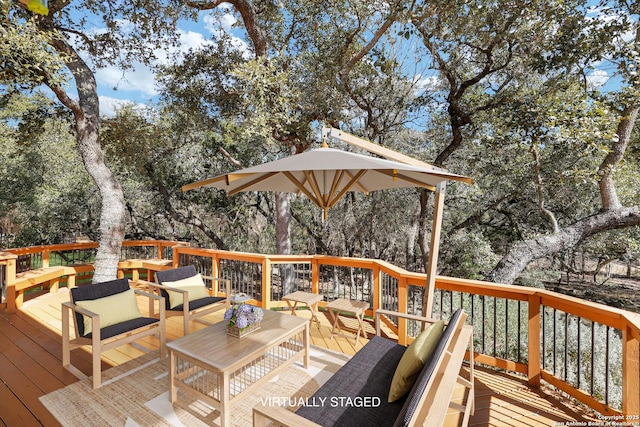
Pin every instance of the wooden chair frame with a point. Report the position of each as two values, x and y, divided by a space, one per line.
187 313
98 345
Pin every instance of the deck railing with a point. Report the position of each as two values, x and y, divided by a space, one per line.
585 349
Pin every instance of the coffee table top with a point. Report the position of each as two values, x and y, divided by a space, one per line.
220 351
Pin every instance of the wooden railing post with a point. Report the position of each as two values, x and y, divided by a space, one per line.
630 374
215 267
402 308
377 292
10 283
46 253
533 347
176 256
315 275
266 283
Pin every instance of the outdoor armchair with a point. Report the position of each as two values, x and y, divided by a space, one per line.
106 316
186 295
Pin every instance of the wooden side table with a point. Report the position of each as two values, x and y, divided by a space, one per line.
356 307
311 300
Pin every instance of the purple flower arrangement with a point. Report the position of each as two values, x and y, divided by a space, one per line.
243 315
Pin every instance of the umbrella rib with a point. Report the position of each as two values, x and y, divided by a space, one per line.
313 182
253 182
394 174
302 188
202 183
337 178
346 188
357 184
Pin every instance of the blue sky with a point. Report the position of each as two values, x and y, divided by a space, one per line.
138 86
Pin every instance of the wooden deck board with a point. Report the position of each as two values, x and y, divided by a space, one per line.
34 333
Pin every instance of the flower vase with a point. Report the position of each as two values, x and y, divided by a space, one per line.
234 331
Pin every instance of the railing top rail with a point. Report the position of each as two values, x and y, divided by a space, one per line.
600 313
53 248
5 256
154 243
488 288
597 312
89 245
633 320
233 255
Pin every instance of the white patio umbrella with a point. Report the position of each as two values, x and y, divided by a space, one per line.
324 175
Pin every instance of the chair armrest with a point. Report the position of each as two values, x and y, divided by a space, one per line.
95 320
227 284
148 295
264 415
166 288
152 297
408 316
73 307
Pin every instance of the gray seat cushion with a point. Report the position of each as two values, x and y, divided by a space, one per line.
365 375
195 304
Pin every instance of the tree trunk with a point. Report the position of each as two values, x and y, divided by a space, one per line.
522 253
86 111
283 240
112 213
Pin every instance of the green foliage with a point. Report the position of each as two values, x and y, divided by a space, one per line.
467 255
46 193
493 90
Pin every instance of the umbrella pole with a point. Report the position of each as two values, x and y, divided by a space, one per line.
427 301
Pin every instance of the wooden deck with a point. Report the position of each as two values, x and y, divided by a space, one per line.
30 366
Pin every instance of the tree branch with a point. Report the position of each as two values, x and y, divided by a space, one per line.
249 17
551 218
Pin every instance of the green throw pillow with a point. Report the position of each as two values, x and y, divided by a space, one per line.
194 285
413 360
112 309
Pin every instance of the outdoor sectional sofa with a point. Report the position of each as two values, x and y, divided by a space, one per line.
358 393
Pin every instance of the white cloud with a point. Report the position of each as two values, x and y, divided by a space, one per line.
140 79
109 105
221 24
139 82
597 79
423 83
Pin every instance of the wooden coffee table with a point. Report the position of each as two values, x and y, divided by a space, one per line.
218 368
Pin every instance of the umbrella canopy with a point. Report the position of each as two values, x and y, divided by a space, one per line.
324 175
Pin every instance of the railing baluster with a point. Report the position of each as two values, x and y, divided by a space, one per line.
566 347
519 357
579 353
554 342
544 337
495 326
593 356
606 369
506 328
484 316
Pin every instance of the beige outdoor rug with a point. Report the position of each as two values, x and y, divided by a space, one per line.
137 394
